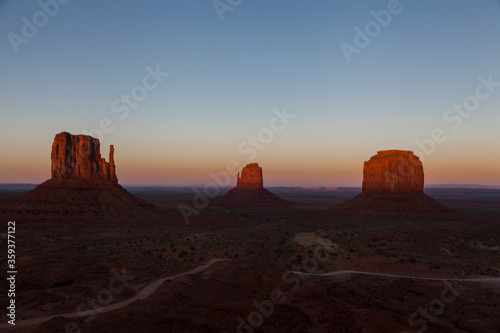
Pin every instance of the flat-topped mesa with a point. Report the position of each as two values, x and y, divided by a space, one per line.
78 157
394 171
393 184
251 177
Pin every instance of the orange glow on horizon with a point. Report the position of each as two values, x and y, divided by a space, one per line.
288 169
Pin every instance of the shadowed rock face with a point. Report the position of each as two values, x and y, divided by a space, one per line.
79 157
394 171
251 177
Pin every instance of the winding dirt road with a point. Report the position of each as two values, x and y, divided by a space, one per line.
145 292
151 288
487 279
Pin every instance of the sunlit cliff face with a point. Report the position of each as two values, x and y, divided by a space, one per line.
251 177
394 171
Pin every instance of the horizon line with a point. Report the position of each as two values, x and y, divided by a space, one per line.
463 185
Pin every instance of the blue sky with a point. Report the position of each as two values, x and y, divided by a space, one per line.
226 77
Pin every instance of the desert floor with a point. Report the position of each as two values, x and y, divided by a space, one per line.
71 265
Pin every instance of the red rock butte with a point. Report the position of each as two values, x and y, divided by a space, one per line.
395 171
393 184
251 177
250 191
82 185
78 157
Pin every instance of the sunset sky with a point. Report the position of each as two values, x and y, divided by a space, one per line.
232 69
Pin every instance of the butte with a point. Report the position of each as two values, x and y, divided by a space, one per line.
82 185
250 191
393 184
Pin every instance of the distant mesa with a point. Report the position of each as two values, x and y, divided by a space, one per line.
393 184
250 191
82 185
320 188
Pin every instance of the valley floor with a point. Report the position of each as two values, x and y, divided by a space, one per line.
73 266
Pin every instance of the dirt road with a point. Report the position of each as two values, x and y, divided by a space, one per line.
145 292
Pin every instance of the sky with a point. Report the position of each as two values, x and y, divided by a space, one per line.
310 91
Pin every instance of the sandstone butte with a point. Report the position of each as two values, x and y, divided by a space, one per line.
250 191
78 157
82 185
395 171
251 177
393 184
